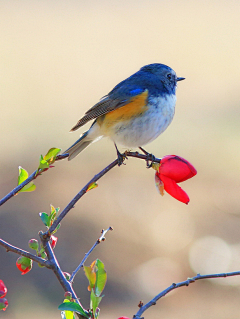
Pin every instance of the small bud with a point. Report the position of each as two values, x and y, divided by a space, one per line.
67 275
33 244
43 255
68 295
3 304
24 264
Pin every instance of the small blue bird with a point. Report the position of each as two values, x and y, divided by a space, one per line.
134 113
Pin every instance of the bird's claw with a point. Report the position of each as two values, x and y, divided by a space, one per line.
121 158
150 157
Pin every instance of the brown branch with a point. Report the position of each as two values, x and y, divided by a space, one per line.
187 282
60 157
78 196
67 286
24 253
24 183
85 188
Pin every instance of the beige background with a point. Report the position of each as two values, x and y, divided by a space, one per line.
57 58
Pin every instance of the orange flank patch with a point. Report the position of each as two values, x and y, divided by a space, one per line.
136 106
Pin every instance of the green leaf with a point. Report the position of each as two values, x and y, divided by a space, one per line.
22 176
101 277
95 301
53 213
68 314
51 155
92 186
73 306
45 219
43 255
30 187
90 274
43 164
48 159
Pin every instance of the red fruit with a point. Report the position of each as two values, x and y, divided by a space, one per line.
3 289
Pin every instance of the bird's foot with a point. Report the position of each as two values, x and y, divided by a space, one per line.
149 159
121 157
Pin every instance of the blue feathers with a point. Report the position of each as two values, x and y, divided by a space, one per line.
136 91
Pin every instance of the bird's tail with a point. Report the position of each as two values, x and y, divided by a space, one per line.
79 146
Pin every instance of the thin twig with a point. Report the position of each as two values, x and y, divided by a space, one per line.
24 183
25 253
99 240
18 188
60 157
178 285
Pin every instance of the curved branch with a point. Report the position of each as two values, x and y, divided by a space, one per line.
25 253
178 285
77 197
60 157
86 187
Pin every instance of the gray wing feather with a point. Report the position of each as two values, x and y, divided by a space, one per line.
104 106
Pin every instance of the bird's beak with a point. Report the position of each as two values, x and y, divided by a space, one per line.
180 79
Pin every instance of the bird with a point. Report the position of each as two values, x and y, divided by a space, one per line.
134 113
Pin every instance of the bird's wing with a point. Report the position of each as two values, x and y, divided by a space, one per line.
122 94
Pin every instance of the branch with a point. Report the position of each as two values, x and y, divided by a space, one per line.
60 157
25 253
178 285
85 188
99 240
18 188
67 286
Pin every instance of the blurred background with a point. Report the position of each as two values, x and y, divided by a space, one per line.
57 59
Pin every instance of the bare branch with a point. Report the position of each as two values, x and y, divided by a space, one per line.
25 253
178 285
99 240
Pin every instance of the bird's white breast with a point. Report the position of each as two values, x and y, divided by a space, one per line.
146 127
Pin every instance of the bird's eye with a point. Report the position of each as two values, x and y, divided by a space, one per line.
169 76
